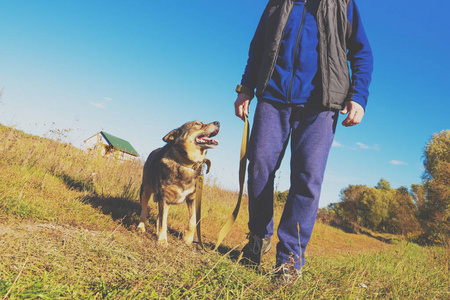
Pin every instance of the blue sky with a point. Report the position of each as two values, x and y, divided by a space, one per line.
138 69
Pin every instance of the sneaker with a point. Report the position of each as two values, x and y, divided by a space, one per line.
252 252
285 274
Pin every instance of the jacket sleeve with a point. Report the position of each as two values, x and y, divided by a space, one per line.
250 77
360 57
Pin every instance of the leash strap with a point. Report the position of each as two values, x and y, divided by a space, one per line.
199 191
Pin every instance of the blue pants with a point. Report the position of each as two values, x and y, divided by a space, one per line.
311 129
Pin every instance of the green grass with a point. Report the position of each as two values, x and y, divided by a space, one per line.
67 263
68 234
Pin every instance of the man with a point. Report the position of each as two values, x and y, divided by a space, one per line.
298 63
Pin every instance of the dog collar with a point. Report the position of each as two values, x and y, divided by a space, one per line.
186 162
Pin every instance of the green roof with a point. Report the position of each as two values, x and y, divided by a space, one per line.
119 143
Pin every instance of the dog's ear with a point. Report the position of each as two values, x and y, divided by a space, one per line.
171 136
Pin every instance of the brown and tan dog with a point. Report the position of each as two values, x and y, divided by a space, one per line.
170 174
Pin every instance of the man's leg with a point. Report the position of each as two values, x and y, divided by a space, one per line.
312 135
268 142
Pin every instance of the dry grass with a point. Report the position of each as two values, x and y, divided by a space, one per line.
66 233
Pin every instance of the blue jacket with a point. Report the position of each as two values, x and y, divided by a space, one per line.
296 78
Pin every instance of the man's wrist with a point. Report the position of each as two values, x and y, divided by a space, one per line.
245 90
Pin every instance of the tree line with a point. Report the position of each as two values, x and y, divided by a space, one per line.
421 212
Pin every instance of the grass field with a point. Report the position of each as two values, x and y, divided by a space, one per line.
68 231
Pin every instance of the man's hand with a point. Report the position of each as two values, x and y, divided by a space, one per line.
241 105
355 113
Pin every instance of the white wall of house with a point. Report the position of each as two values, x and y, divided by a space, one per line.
96 142
99 144
127 156
92 142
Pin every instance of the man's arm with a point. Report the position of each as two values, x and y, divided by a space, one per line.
255 54
250 77
361 64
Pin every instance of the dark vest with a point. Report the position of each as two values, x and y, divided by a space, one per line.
333 28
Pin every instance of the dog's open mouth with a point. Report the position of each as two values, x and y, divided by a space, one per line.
207 139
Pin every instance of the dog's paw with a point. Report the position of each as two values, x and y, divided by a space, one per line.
141 227
163 243
188 234
188 239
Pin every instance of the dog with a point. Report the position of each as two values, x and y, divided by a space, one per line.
170 174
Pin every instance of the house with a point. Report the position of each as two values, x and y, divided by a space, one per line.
111 146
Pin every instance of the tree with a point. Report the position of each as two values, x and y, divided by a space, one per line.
348 208
379 208
403 213
384 185
434 212
418 194
375 205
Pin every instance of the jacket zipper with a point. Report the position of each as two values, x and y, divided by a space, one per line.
295 51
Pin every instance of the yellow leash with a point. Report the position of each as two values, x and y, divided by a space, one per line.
199 191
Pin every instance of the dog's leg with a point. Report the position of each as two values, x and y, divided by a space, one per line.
163 210
188 236
146 194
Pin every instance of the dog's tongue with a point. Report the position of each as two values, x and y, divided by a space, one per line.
207 140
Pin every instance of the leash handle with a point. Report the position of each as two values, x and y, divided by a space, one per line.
199 189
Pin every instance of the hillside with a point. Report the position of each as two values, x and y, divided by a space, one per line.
67 230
